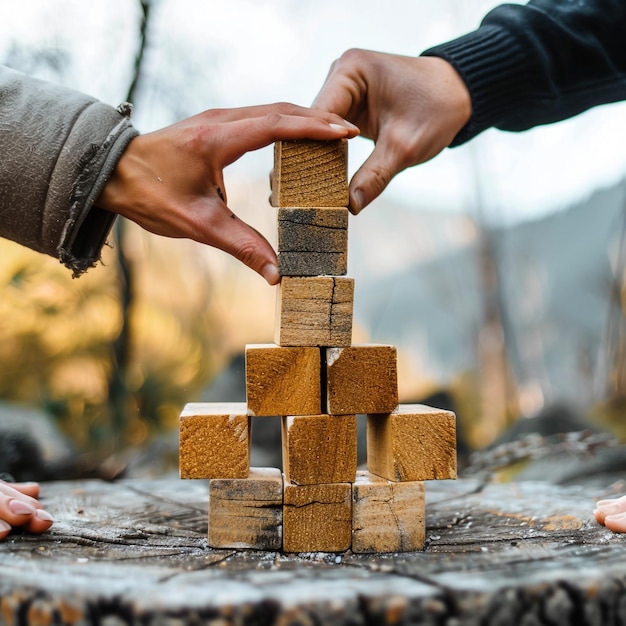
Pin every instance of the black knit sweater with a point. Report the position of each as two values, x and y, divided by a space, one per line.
540 63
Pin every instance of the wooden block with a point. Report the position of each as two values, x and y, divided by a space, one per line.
317 518
247 512
319 449
362 378
314 311
282 380
387 516
414 442
310 173
312 241
214 440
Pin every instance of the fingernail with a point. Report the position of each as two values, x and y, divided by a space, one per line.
351 125
270 273
356 206
44 515
20 508
4 526
337 126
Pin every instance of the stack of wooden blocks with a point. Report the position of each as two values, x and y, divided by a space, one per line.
318 381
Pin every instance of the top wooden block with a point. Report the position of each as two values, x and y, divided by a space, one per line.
310 173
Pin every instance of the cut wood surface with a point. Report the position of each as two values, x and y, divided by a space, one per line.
247 512
319 449
214 440
310 173
362 378
314 311
282 380
414 442
312 241
135 552
317 517
387 516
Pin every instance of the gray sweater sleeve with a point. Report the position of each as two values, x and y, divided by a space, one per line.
58 148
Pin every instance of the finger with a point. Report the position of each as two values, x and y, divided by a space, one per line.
613 506
28 489
599 515
15 511
15 490
278 108
258 132
40 522
221 228
371 179
339 94
616 523
5 529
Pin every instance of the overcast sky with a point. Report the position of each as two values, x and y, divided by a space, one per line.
207 53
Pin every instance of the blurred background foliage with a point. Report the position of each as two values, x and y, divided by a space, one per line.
497 318
57 336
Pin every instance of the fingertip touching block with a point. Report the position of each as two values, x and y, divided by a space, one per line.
319 449
309 173
214 440
312 241
247 512
362 378
282 380
387 516
317 518
314 311
415 442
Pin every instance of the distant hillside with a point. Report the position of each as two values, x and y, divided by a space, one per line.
554 274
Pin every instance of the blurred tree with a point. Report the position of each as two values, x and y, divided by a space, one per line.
118 392
115 354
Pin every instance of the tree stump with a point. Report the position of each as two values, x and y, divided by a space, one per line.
135 552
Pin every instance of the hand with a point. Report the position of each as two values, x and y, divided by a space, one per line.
19 508
411 107
171 182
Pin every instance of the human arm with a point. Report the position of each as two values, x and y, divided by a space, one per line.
58 147
526 65
69 164
539 63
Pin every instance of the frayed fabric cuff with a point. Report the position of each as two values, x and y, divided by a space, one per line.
88 226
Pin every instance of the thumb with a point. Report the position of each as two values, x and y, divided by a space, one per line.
371 179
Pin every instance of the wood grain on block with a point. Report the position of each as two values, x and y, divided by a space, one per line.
387 516
214 440
312 241
362 378
319 449
310 173
317 518
341 312
282 380
247 512
414 442
314 311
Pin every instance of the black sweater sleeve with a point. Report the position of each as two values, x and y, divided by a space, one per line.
540 63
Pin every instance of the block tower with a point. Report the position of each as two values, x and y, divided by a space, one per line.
318 381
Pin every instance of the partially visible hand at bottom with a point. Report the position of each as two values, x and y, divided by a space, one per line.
612 514
19 508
